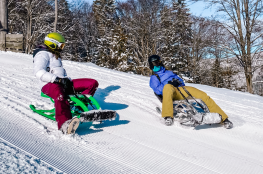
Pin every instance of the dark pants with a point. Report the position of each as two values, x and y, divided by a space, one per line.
57 92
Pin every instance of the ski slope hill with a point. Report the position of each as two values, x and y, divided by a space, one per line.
135 142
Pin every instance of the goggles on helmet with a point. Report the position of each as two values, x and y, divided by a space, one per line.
59 45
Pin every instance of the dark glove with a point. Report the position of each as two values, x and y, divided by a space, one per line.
175 82
67 84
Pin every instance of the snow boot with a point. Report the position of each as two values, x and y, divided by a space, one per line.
227 124
168 121
70 126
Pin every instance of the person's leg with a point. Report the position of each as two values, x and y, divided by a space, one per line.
167 104
212 106
85 86
62 108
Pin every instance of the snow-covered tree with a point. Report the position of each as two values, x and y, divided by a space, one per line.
104 11
166 48
32 18
182 37
217 79
120 53
141 21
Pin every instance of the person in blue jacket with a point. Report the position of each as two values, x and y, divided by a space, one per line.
165 85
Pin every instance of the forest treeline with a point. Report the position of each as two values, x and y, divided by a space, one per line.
121 36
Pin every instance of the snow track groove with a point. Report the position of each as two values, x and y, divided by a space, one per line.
198 142
8 164
63 158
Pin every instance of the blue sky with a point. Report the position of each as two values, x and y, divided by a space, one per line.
197 9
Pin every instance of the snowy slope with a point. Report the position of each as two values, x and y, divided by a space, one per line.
136 142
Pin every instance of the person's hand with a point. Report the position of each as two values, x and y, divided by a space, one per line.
175 82
67 84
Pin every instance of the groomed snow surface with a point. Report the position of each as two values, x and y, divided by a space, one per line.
137 141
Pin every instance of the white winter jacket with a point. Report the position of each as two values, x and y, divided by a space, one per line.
47 67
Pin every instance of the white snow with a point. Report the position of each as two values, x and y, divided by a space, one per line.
15 160
136 142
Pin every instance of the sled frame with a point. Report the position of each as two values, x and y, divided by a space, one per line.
78 103
184 110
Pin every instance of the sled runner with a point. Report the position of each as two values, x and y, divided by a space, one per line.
192 112
84 107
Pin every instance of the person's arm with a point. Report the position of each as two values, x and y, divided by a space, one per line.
40 68
156 85
180 80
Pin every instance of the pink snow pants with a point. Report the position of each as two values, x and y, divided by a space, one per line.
57 92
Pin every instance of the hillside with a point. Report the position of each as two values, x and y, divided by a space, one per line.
136 142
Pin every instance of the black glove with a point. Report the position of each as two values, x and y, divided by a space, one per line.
67 84
175 82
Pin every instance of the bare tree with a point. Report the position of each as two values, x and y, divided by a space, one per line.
35 15
201 41
245 29
56 16
141 22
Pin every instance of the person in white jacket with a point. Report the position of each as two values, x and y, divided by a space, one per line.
56 84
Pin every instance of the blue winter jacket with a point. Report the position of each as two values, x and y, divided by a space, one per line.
165 77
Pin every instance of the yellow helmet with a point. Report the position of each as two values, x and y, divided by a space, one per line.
55 41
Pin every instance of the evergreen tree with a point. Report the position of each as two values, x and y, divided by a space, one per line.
228 72
181 37
66 26
104 11
120 54
217 79
166 49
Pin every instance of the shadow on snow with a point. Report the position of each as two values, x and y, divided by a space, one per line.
100 96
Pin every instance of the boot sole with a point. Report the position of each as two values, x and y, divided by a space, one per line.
97 115
73 125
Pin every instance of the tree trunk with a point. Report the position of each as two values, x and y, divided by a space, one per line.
249 80
3 23
29 26
249 74
56 16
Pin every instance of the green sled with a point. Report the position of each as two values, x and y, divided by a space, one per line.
78 104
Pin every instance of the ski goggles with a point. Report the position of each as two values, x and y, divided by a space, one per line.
59 45
156 63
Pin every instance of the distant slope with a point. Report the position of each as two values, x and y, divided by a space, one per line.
137 141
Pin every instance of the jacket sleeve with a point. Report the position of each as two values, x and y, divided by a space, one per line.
156 85
40 65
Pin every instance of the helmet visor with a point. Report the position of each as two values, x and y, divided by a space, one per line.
156 63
